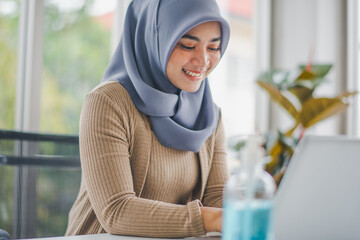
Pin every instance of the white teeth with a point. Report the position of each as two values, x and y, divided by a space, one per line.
191 73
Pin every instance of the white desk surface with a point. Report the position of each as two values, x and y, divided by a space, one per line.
106 236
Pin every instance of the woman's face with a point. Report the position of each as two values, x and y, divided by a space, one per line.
194 56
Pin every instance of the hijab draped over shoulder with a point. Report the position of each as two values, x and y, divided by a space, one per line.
179 119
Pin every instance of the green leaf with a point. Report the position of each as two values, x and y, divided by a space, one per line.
302 93
276 78
273 166
281 153
320 70
277 96
306 75
347 94
317 109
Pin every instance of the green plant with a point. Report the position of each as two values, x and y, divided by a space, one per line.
304 108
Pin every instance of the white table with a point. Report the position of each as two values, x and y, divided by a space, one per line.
106 236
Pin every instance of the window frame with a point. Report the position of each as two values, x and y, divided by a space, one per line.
27 110
353 73
263 43
29 66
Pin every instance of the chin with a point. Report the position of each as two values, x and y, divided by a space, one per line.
191 89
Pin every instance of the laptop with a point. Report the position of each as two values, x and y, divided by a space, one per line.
319 196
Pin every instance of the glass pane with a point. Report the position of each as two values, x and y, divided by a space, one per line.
232 81
9 25
55 192
7 198
7 188
76 53
57 189
35 199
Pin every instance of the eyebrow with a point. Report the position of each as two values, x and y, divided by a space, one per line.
188 36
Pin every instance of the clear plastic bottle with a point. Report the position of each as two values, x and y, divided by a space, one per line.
248 198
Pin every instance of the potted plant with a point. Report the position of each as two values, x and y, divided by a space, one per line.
308 110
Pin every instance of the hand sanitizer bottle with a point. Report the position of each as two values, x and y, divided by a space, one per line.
248 197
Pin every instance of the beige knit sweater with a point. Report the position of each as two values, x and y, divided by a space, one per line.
131 184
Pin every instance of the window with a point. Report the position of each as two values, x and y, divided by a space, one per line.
63 47
233 81
9 25
77 38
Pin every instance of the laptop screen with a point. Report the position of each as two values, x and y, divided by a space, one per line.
319 196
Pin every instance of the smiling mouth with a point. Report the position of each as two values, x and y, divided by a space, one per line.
192 74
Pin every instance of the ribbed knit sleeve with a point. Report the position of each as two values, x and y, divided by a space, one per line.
219 173
105 139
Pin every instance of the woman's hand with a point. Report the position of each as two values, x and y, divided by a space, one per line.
212 218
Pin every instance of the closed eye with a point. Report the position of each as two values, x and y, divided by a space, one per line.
186 47
215 49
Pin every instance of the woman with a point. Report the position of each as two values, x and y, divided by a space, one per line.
151 139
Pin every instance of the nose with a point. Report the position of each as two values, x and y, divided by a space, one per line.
201 58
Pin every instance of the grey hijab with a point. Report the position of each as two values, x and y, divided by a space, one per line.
179 119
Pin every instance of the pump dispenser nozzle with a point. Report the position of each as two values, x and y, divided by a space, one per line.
253 154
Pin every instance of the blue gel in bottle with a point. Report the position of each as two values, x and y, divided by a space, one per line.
248 197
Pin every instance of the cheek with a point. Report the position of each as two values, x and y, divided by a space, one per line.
176 61
214 59
171 64
182 58
175 64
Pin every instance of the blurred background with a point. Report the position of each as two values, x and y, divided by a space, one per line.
53 52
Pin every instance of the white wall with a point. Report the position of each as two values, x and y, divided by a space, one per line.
299 25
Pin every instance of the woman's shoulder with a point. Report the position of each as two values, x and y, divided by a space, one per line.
114 93
112 89
111 96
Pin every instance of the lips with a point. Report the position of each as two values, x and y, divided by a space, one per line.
192 73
